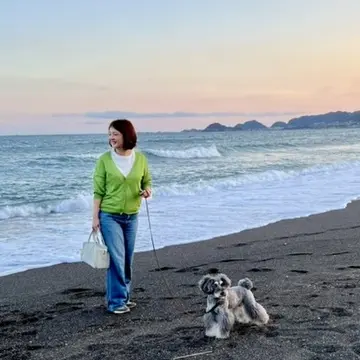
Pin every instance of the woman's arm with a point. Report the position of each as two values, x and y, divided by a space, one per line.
146 181
99 192
96 220
99 180
96 207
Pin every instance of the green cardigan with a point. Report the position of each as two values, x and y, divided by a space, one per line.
120 194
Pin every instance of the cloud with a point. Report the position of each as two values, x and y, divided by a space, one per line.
47 84
177 114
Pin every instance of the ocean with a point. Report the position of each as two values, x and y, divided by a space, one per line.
205 185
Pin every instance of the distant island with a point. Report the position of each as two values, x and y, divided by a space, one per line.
337 119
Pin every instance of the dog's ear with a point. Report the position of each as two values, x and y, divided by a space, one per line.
225 281
206 284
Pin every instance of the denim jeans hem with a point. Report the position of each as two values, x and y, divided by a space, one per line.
119 233
114 307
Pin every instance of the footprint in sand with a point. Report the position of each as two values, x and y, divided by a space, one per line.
188 269
233 246
269 259
139 290
185 297
337 311
299 271
324 349
300 254
356 348
348 267
64 307
164 268
260 270
32 347
232 260
346 286
6 323
338 253
30 320
78 293
188 285
75 291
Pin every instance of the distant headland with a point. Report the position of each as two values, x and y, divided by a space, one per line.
337 119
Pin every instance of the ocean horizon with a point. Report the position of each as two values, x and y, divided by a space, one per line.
205 185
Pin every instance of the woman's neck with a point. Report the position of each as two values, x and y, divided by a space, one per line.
123 152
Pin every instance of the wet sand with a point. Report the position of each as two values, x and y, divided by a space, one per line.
305 272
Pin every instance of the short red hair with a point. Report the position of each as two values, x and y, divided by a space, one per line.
126 128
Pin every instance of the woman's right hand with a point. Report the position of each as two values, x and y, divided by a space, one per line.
96 223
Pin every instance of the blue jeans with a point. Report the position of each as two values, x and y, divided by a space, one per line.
119 233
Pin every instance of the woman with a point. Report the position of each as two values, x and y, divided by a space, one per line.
121 179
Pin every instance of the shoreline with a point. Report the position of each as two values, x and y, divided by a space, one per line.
305 273
356 199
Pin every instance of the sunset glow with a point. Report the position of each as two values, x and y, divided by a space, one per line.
71 58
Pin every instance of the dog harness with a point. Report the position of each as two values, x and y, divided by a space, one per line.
213 308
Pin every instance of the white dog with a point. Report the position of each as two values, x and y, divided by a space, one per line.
226 305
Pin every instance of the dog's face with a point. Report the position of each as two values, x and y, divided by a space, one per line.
215 285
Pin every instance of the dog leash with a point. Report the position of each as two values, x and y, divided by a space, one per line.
213 308
157 259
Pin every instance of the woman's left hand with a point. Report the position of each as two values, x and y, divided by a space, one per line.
146 193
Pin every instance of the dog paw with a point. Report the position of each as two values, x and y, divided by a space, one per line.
209 335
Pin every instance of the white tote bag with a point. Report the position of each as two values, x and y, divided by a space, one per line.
94 252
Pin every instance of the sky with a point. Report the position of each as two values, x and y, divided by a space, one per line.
72 66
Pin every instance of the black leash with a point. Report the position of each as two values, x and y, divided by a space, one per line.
213 308
157 260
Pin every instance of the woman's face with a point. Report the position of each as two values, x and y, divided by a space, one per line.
115 138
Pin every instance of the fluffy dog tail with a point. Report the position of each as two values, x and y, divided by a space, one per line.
254 310
246 283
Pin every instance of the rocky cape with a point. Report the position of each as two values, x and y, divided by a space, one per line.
338 119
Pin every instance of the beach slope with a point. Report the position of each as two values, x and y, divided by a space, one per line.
305 272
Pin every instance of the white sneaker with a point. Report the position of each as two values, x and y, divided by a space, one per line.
131 304
121 310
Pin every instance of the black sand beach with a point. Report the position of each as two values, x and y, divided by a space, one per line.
305 271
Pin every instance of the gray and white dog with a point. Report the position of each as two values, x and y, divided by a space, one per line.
228 304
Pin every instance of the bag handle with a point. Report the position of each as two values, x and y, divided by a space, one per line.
97 237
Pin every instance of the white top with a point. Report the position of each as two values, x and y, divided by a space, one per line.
123 162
